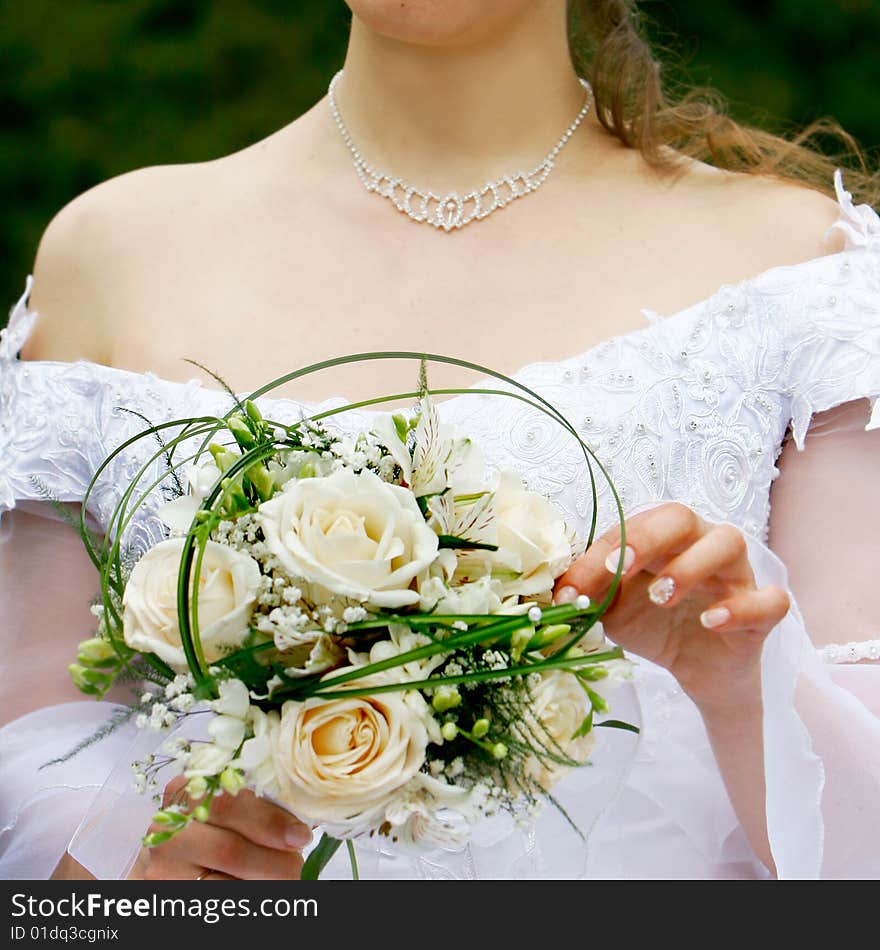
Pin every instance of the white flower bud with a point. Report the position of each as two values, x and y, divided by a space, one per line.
197 786
234 699
208 760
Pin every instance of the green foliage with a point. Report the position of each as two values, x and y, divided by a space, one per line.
320 858
94 88
780 63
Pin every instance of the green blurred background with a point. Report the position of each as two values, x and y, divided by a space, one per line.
93 88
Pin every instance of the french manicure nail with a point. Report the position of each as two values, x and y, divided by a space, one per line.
629 557
661 590
714 617
297 836
565 595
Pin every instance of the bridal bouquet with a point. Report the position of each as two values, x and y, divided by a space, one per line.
365 620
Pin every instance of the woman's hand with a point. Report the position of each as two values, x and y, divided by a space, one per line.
687 601
245 837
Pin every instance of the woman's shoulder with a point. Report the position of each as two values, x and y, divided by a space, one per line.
115 242
90 248
782 221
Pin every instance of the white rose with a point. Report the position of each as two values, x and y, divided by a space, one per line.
353 534
533 539
227 590
338 761
559 708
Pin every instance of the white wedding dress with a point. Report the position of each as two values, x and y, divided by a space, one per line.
695 408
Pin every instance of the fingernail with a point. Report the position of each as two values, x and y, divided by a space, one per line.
565 595
628 557
714 617
297 836
661 591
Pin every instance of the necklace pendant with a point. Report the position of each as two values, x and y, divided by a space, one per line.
448 212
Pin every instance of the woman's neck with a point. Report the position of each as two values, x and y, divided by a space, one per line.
453 117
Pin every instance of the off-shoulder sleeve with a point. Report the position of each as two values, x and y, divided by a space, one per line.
821 718
831 325
61 424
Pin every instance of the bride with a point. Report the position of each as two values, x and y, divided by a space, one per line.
713 329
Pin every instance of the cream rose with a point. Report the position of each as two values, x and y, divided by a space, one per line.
533 539
338 761
560 706
227 590
353 534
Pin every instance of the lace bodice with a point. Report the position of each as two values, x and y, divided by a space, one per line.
692 407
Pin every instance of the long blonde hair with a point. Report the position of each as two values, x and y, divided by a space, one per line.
609 48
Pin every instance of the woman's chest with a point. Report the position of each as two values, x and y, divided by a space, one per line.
538 288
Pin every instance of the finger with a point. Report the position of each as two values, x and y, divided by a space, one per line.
174 791
166 862
259 820
759 610
651 536
717 560
255 818
221 849
163 868
171 860
671 522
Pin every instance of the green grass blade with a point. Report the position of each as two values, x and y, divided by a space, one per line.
319 858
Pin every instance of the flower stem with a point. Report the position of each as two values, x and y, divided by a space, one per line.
352 857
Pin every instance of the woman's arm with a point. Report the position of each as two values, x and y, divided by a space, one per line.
824 524
47 583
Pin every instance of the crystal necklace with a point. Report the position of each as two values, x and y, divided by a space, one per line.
451 211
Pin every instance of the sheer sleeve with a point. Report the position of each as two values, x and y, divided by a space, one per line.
822 718
46 585
821 675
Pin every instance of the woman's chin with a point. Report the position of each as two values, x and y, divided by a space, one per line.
437 23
